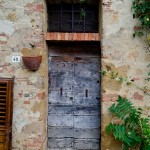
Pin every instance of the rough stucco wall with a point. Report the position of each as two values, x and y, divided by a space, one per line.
123 54
21 23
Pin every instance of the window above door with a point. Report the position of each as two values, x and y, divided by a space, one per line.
75 17
73 21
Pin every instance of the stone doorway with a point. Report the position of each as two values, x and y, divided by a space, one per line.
74 97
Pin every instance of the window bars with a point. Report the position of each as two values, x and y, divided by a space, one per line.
81 18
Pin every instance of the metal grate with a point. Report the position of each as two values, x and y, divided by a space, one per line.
73 18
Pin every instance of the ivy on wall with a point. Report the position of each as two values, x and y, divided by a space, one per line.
141 11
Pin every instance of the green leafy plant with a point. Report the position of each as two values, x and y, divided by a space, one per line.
141 10
148 78
115 76
82 14
133 130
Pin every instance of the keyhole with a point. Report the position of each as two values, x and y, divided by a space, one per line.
86 93
61 89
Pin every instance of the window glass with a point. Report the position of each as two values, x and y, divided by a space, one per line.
73 18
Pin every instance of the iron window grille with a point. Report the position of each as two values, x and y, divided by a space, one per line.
73 18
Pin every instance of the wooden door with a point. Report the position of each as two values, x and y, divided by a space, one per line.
74 102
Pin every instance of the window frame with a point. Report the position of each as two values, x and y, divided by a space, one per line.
83 25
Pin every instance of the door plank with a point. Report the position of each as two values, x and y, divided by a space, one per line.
87 110
57 83
91 100
60 143
86 144
60 132
66 98
87 122
60 109
60 120
92 133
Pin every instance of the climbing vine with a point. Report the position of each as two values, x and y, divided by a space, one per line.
133 130
141 11
129 82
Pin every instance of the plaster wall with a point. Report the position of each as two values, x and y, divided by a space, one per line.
23 22
125 55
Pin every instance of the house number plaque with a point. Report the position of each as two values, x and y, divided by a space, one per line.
15 59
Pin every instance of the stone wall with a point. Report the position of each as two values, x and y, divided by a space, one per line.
23 22
125 55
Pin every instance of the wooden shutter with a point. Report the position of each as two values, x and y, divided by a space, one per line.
6 85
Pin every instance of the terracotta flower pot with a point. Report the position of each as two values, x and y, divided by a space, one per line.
32 62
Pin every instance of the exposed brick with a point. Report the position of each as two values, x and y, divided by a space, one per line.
82 36
109 97
29 5
48 36
54 35
70 36
97 37
90 36
66 36
51 36
3 38
58 37
137 96
34 7
34 143
135 79
39 7
86 36
41 95
21 80
20 93
63 36
27 102
74 36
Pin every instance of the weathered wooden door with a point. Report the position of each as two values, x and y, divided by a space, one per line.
74 101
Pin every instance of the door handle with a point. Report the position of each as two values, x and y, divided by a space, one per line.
86 93
61 90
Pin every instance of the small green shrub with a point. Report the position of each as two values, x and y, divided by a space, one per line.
133 130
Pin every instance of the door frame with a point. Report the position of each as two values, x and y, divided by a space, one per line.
84 44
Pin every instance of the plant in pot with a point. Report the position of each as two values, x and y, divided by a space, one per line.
32 58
